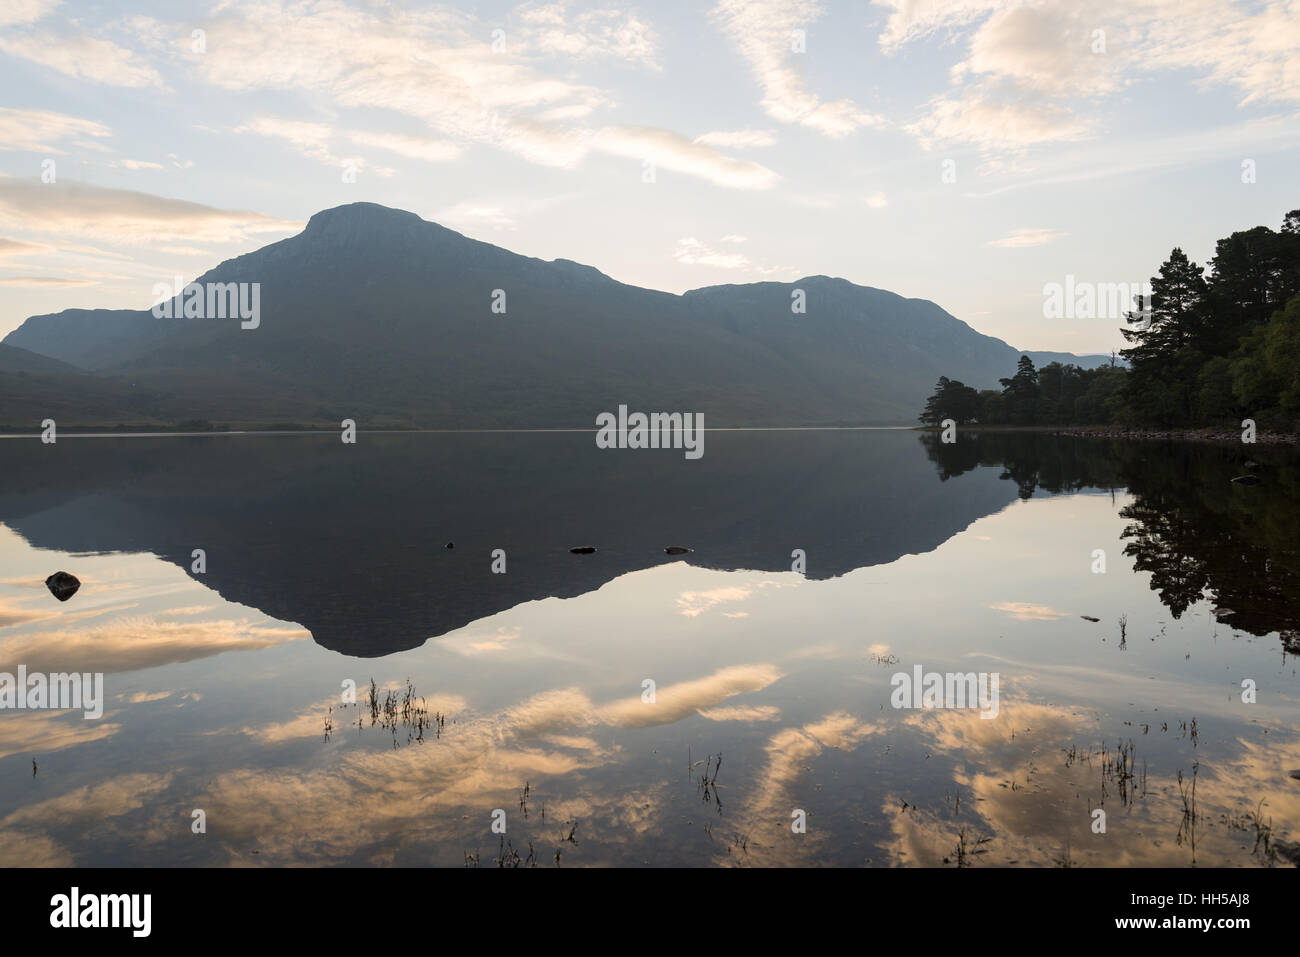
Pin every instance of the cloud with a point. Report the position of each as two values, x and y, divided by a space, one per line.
38 130
42 732
83 57
676 701
182 250
671 151
691 252
1023 611
19 247
762 32
413 147
128 644
309 139
92 803
25 11
1026 236
768 804
1112 159
431 65
695 603
472 643
738 139
993 767
45 281
978 116
594 34
877 200
1050 48
438 68
144 697
313 141
1035 73
764 712
124 216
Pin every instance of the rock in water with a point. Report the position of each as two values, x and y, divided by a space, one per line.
583 549
1246 480
678 550
451 544
1089 618
62 585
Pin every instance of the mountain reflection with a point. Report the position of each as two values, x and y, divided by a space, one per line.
349 541
770 691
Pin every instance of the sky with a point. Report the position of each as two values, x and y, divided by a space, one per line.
970 152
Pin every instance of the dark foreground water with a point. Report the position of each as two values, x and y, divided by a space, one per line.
524 699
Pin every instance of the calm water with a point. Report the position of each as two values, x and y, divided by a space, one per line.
326 564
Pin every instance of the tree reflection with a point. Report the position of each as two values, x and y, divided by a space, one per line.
1199 535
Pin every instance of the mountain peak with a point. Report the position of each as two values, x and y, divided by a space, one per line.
357 228
357 213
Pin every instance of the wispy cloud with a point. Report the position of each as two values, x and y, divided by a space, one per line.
671 151
691 252
32 33
763 32
441 69
124 216
40 281
39 130
1026 236
738 139
1034 74
1025 611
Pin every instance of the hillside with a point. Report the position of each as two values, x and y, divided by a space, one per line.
375 314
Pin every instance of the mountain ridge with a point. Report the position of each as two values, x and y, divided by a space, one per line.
377 314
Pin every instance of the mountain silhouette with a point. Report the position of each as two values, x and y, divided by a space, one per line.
350 541
377 315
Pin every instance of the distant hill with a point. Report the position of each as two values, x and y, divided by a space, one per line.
16 360
375 314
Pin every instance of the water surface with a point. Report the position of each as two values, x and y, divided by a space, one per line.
523 692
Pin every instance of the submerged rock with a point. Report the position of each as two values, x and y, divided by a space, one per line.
583 549
1246 480
62 585
678 550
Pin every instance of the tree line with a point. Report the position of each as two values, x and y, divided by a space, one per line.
1212 346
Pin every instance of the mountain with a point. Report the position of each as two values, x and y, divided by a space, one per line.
16 360
375 314
376 578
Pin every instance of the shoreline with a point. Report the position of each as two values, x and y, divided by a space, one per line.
1219 436
1215 435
